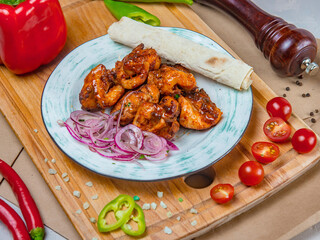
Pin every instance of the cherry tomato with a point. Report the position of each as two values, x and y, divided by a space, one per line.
304 140
222 193
279 107
276 129
265 152
251 173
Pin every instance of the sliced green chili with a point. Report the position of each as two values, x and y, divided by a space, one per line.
122 9
122 216
139 219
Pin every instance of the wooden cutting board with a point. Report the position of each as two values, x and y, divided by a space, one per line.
20 99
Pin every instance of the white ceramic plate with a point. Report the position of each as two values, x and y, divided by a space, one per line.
198 149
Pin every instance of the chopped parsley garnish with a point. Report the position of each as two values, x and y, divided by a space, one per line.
106 138
128 104
81 120
176 96
141 156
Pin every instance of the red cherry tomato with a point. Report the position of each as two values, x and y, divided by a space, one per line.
304 140
279 107
222 193
251 173
265 152
276 129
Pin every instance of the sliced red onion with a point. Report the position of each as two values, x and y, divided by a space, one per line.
158 157
103 135
171 145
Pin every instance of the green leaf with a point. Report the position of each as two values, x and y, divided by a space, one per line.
189 2
11 2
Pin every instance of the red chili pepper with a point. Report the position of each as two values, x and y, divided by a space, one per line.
31 34
27 205
13 221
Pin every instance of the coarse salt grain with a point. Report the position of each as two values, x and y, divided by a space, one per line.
194 222
64 175
162 204
58 188
76 194
95 197
94 238
86 205
169 214
167 230
153 205
146 206
35 130
93 220
52 171
178 218
46 160
89 184
193 211
66 179
160 194
53 160
78 211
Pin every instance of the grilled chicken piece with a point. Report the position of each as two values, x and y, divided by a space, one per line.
132 100
171 108
99 91
171 79
160 119
133 70
198 111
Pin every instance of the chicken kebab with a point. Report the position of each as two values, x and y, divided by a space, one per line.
155 97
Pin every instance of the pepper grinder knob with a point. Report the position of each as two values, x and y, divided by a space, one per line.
311 68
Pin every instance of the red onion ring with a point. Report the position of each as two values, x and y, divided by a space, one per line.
103 135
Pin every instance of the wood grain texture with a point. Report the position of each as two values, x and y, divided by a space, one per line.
20 103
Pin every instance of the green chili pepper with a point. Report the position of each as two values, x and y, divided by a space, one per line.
190 2
139 219
122 216
122 9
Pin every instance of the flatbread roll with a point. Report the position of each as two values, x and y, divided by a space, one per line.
208 62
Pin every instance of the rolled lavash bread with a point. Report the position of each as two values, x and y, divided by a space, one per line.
208 62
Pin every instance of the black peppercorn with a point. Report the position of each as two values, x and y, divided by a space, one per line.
308 95
313 120
284 95
300 83
287 88
300 76
311 114
316 111
303 95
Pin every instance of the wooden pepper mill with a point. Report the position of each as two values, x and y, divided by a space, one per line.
290 50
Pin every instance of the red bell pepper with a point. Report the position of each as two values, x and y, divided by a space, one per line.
31 34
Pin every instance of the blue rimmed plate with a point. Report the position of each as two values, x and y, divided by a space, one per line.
198 149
